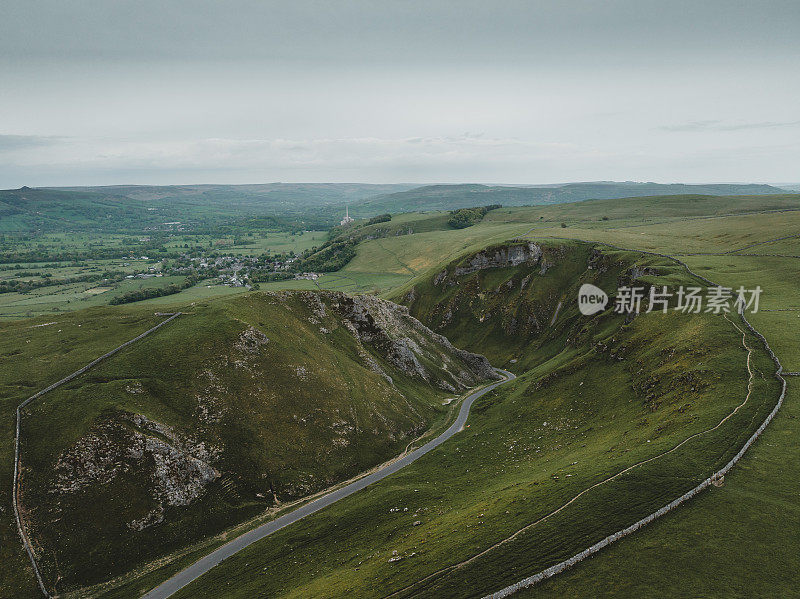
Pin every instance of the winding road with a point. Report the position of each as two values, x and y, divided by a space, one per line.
203 565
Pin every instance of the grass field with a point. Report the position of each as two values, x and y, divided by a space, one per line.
37 352
252 244
69 296
736 541
706 225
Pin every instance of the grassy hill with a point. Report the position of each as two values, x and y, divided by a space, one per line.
36 353
303 205
232 410
451 197
30 210
700 541
387 255
263 195
594 396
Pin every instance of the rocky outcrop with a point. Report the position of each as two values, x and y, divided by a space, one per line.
248 347
478 364
178 469
403 354
250 340
501 257
636 272
388 335
407 344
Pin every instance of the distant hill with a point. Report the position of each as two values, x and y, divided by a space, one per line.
260 194
451 197
28 209
134 207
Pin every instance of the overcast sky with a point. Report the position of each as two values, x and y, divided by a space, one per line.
191 91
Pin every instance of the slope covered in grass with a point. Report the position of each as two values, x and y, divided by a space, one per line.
134 207
450 197
35 353
518 300
672 224
449 497
236 407
739 540
596 396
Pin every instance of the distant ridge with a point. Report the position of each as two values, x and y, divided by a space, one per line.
296 205
450 197
135 207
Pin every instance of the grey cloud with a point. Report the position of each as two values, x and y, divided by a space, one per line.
717 125
395 32
182 91
11 143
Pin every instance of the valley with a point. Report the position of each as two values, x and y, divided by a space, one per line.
399 300
609 418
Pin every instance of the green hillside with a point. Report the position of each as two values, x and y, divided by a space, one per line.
30 210
299 205
36 353
387 255
451 197
131 208
236 408
594 397
670 395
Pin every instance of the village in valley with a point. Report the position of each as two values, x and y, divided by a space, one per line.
233 269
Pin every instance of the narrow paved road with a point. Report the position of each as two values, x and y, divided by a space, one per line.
203 565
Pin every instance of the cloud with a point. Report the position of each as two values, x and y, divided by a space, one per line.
370 159
216 153
11 143
717 125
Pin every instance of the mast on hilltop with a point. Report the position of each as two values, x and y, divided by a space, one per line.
347 220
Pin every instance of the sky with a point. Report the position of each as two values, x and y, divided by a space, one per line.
108 92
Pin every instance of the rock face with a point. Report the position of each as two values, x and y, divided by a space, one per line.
500 257
636 272
408 344
505 312
177 468
250 340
